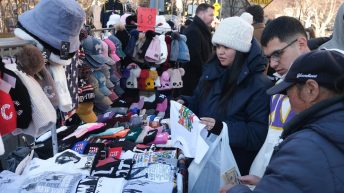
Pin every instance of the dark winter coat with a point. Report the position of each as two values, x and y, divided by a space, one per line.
246 113
310 159
200 48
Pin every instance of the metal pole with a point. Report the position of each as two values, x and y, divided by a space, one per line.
54 139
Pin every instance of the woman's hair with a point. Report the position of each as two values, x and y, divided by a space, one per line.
231 76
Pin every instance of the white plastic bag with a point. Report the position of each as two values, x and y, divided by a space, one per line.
206 177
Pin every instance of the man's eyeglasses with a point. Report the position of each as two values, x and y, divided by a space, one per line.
276 55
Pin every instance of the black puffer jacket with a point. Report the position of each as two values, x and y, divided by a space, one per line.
200 48
247 110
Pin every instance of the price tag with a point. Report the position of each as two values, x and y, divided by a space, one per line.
146 18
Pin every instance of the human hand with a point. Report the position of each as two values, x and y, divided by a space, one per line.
209 122
226 187
249 179
181 101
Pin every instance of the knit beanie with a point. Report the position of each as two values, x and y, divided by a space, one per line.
137 53
86 113
153 51
132 80
176 77
123 35
163 49
20 97
174 47
133 134
85 91
165 80
149 37
129 49
183 55
168 41
142 79
235 32
8 117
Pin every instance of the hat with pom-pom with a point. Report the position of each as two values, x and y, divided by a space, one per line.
235 32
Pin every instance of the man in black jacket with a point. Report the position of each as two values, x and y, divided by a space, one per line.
199 43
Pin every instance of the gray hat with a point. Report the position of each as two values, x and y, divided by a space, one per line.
93 50
54 22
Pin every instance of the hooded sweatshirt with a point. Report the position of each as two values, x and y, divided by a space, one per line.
337 40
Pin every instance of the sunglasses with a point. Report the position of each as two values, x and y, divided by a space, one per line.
276 55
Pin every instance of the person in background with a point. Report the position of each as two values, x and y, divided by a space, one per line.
310 157
283 40
337 39
258 20
199 43
232 89
186 25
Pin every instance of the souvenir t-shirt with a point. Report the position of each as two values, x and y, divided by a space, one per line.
10 182
67 161
147 158
186 132
156 172
142 186
94 184
51 182
112 168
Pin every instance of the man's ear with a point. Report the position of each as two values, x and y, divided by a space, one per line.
200 14
302 43
311 91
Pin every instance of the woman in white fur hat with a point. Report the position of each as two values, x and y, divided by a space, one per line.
232 89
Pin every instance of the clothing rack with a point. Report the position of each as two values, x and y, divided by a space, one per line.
102 29
8 48
111 28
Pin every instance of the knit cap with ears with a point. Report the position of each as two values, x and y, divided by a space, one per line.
235 32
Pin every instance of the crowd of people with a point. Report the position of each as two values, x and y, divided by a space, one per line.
286 138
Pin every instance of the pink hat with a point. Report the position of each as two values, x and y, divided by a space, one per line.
106 53
161 138
154 51
112 48
165 80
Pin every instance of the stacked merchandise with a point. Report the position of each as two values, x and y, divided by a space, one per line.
119 153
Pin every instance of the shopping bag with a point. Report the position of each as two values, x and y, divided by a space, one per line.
207 176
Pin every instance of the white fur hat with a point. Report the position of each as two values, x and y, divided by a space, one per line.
114 19
235 32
